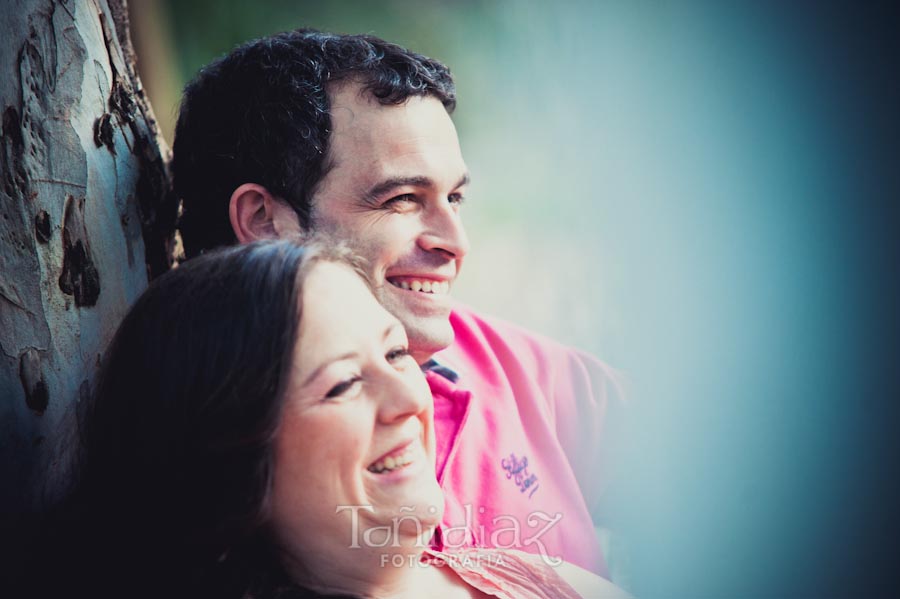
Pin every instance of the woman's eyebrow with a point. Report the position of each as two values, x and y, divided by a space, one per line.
325 364
388 331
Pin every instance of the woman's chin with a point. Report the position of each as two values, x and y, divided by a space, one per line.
405 513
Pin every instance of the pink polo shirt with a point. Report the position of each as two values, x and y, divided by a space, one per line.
520 441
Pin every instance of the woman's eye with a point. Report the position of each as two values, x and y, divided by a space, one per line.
396 354
342 388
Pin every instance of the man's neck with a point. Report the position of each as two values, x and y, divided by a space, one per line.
421 357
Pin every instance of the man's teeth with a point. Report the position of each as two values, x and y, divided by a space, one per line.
433 287
392 462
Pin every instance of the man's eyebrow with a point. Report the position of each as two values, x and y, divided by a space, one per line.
374 193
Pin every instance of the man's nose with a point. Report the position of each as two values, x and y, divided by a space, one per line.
402 394
444 232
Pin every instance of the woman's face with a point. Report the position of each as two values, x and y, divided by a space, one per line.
355 447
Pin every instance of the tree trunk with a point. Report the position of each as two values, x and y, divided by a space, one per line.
86 218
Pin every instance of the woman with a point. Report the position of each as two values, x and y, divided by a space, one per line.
260 430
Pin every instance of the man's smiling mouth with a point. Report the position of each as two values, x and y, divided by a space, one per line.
422 285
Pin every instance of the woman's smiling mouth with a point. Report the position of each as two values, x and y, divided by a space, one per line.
396 459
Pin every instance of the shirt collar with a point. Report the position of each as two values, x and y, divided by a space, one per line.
441 369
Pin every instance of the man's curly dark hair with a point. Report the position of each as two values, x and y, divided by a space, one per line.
261 115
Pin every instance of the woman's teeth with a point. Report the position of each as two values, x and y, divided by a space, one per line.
434 287
392 462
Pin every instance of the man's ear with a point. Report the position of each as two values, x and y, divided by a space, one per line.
256 214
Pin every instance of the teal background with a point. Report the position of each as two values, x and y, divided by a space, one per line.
704 194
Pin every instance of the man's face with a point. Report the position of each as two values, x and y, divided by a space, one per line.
394 193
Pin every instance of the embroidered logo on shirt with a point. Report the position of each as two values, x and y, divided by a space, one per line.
517 469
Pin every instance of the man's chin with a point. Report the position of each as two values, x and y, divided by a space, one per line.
427 322
425 342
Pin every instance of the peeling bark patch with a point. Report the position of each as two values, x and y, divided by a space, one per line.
103 133
79 277
157 204
42 45
11 126
36 395
121 102
42 229
14 178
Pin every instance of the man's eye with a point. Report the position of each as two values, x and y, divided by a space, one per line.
456 198
342 388
400 199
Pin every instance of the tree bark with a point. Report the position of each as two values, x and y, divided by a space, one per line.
86 218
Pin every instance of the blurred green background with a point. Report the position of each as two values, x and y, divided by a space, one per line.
531 162
704 194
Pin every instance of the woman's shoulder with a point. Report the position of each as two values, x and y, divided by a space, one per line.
588 584
512 574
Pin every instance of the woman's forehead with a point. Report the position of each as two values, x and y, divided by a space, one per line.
339 312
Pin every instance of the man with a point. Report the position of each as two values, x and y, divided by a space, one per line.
352 136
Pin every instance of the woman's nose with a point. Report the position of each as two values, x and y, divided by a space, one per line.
403 394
